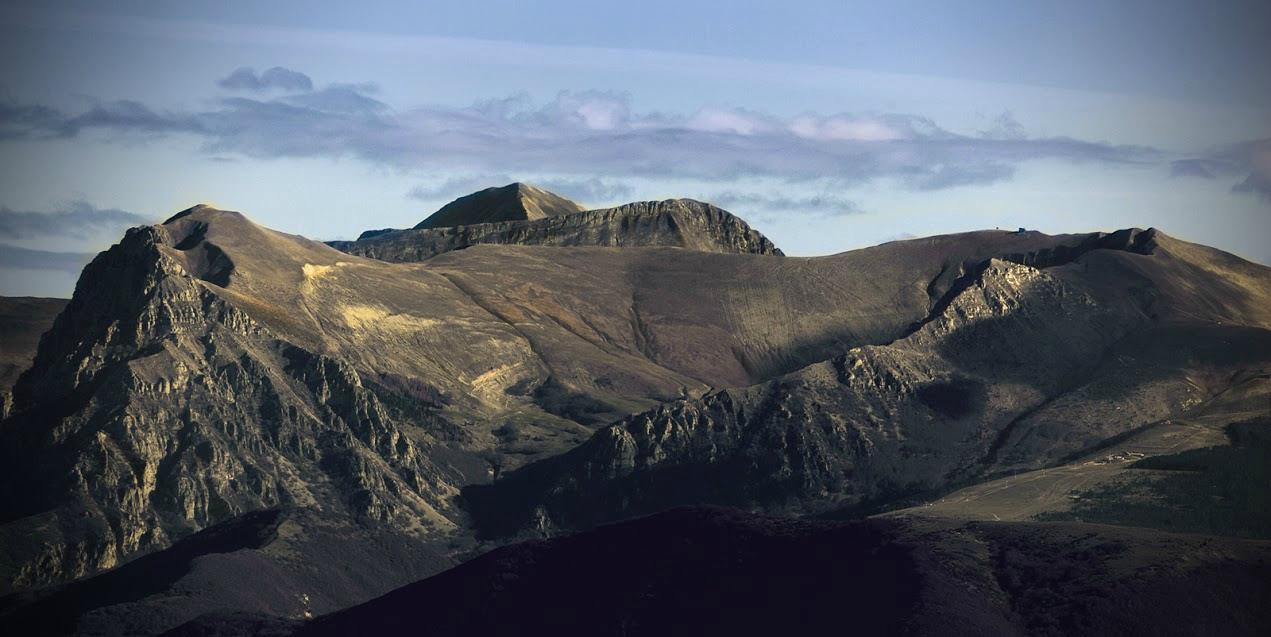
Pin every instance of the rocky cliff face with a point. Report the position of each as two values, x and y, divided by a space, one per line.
155 408
682 223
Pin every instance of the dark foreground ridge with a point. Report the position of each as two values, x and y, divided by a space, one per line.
701 571
56 611
688 572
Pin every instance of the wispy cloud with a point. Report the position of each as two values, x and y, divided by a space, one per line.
950 175
770 203
1202 168
457 186
245 78
1005 126
579 135
79 219
26 259
592 192
25 121
1258 183
1248 162
1257 156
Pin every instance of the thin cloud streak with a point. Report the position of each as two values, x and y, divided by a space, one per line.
14 257
245 78
583 134
79 219
457 187
1249 162
770 204
590 192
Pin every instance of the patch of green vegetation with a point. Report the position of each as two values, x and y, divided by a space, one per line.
1216 490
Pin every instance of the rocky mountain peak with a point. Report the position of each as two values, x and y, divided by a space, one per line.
192 210
513 202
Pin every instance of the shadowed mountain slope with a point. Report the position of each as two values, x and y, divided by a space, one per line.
285 564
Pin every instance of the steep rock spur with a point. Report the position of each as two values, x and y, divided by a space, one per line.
171 410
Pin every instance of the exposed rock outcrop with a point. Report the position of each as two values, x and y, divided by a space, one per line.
155 408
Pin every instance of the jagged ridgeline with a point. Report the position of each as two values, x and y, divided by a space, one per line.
564 368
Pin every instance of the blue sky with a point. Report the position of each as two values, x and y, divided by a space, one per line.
827 125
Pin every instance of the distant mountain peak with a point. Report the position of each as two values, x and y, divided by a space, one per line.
681 223
195 209
514 202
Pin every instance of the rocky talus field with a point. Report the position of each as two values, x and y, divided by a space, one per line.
526 417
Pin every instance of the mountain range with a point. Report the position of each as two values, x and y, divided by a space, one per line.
525 416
